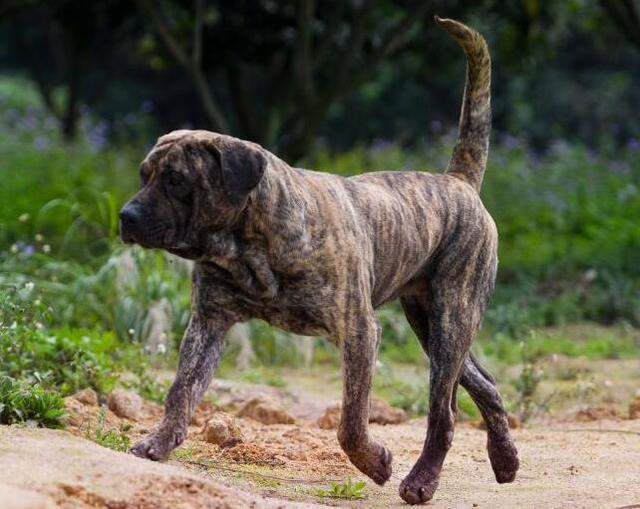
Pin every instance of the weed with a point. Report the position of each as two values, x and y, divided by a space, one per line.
21 402
347 489
111 439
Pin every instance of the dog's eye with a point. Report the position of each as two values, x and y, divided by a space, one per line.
174 178
144 175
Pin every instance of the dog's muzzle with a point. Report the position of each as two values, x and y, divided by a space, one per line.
131 222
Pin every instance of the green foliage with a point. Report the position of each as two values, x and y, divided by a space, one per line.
527 383
609 346
263 376
111 439
23 402
347 489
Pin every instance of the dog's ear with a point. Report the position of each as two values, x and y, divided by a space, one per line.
238 166
242 166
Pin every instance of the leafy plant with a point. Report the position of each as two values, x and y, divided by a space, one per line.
347 489
21 402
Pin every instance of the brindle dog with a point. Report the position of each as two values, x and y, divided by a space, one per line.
316 253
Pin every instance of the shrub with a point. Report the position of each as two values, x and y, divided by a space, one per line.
21 402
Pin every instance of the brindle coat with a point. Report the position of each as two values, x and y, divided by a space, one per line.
316 253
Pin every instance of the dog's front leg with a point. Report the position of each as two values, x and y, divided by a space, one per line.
200 353
359 351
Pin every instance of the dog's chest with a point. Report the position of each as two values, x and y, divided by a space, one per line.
304 302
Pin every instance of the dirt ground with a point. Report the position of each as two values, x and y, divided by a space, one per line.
564 464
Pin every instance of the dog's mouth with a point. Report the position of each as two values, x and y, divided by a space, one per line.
160 237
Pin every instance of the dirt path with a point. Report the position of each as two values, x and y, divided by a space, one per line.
563 465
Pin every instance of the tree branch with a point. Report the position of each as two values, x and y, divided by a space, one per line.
324 49
240 103
302 54
213 111
197 33
627 21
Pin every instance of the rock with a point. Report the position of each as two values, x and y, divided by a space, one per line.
76 412
331 417
18 498
125 404
266 411
634 407
514 421
380 412
221 429
86 397
597 413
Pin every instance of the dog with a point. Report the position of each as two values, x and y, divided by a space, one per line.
316 253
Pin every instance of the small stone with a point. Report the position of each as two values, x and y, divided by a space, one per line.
86 397
634 407
381 412
514 421
265 411
125 404
331 417
221 429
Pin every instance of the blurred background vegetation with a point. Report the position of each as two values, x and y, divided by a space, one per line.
342 86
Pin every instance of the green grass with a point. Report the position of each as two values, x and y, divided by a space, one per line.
116 440
612 346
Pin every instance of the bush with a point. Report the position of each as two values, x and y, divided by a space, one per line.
21 402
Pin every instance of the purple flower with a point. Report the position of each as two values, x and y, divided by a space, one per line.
147 106
509 142
634 144
41 143
619 167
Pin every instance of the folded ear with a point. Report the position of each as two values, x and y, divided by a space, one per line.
242 167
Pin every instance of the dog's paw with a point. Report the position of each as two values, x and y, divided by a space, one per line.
418 489
158 445
504 458
374 461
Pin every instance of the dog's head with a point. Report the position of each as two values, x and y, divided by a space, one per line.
192 183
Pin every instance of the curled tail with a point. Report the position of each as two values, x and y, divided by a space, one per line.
469 159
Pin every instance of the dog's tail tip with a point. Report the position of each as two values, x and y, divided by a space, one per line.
470 153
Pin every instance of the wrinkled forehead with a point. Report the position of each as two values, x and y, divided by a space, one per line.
170 147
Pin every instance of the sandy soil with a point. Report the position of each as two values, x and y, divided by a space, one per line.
594 464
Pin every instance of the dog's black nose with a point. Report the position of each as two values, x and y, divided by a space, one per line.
130 214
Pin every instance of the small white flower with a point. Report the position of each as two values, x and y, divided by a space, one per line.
162 349
23 218
37 302
46 248
39 326
39 237
28 286
14 248
131 332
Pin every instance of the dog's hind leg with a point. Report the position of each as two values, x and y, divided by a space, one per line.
482 389
447 345
360 340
